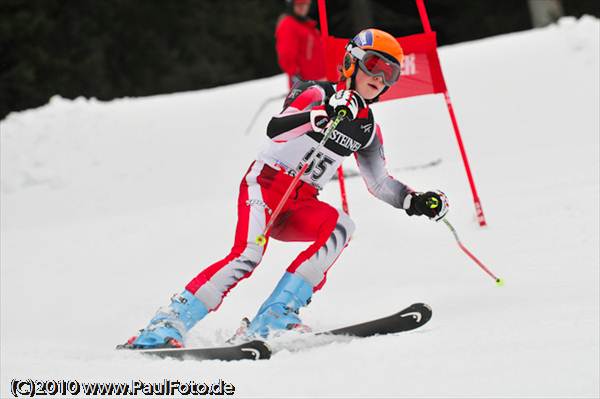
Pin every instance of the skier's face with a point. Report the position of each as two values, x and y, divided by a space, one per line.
301 8
367 86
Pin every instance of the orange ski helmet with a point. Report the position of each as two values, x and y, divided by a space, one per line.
377 53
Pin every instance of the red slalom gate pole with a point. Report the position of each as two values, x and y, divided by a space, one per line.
424 16
499 281
478 209
463 154
340 172
324 37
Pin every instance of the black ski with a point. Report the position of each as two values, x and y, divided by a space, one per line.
253 350
408 319
414 316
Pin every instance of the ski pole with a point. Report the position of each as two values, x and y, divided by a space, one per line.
499 281
261 239
263 105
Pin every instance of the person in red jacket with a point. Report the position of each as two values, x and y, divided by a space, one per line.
298 43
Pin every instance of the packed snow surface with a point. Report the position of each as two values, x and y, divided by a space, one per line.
108 208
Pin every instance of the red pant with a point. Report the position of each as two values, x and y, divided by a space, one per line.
303 218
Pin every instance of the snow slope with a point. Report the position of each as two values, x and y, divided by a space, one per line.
108 208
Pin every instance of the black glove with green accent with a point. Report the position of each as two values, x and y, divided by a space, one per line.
432 204
348 100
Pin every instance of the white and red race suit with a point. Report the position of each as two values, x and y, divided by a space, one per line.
294 136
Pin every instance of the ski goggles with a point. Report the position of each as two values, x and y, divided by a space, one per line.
375 64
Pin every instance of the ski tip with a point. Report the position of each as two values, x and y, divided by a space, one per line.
425 306
421 305
259 349
423 309
499 282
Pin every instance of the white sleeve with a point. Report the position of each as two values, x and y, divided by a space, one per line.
371 163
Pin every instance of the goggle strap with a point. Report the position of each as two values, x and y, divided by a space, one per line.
358 53
355 51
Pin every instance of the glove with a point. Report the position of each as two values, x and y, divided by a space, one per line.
349 100
433 204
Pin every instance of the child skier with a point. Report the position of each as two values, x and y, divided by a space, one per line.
370 66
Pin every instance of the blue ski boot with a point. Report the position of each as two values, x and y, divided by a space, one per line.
280 310
169 325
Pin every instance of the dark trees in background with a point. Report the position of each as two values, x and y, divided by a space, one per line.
117 48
